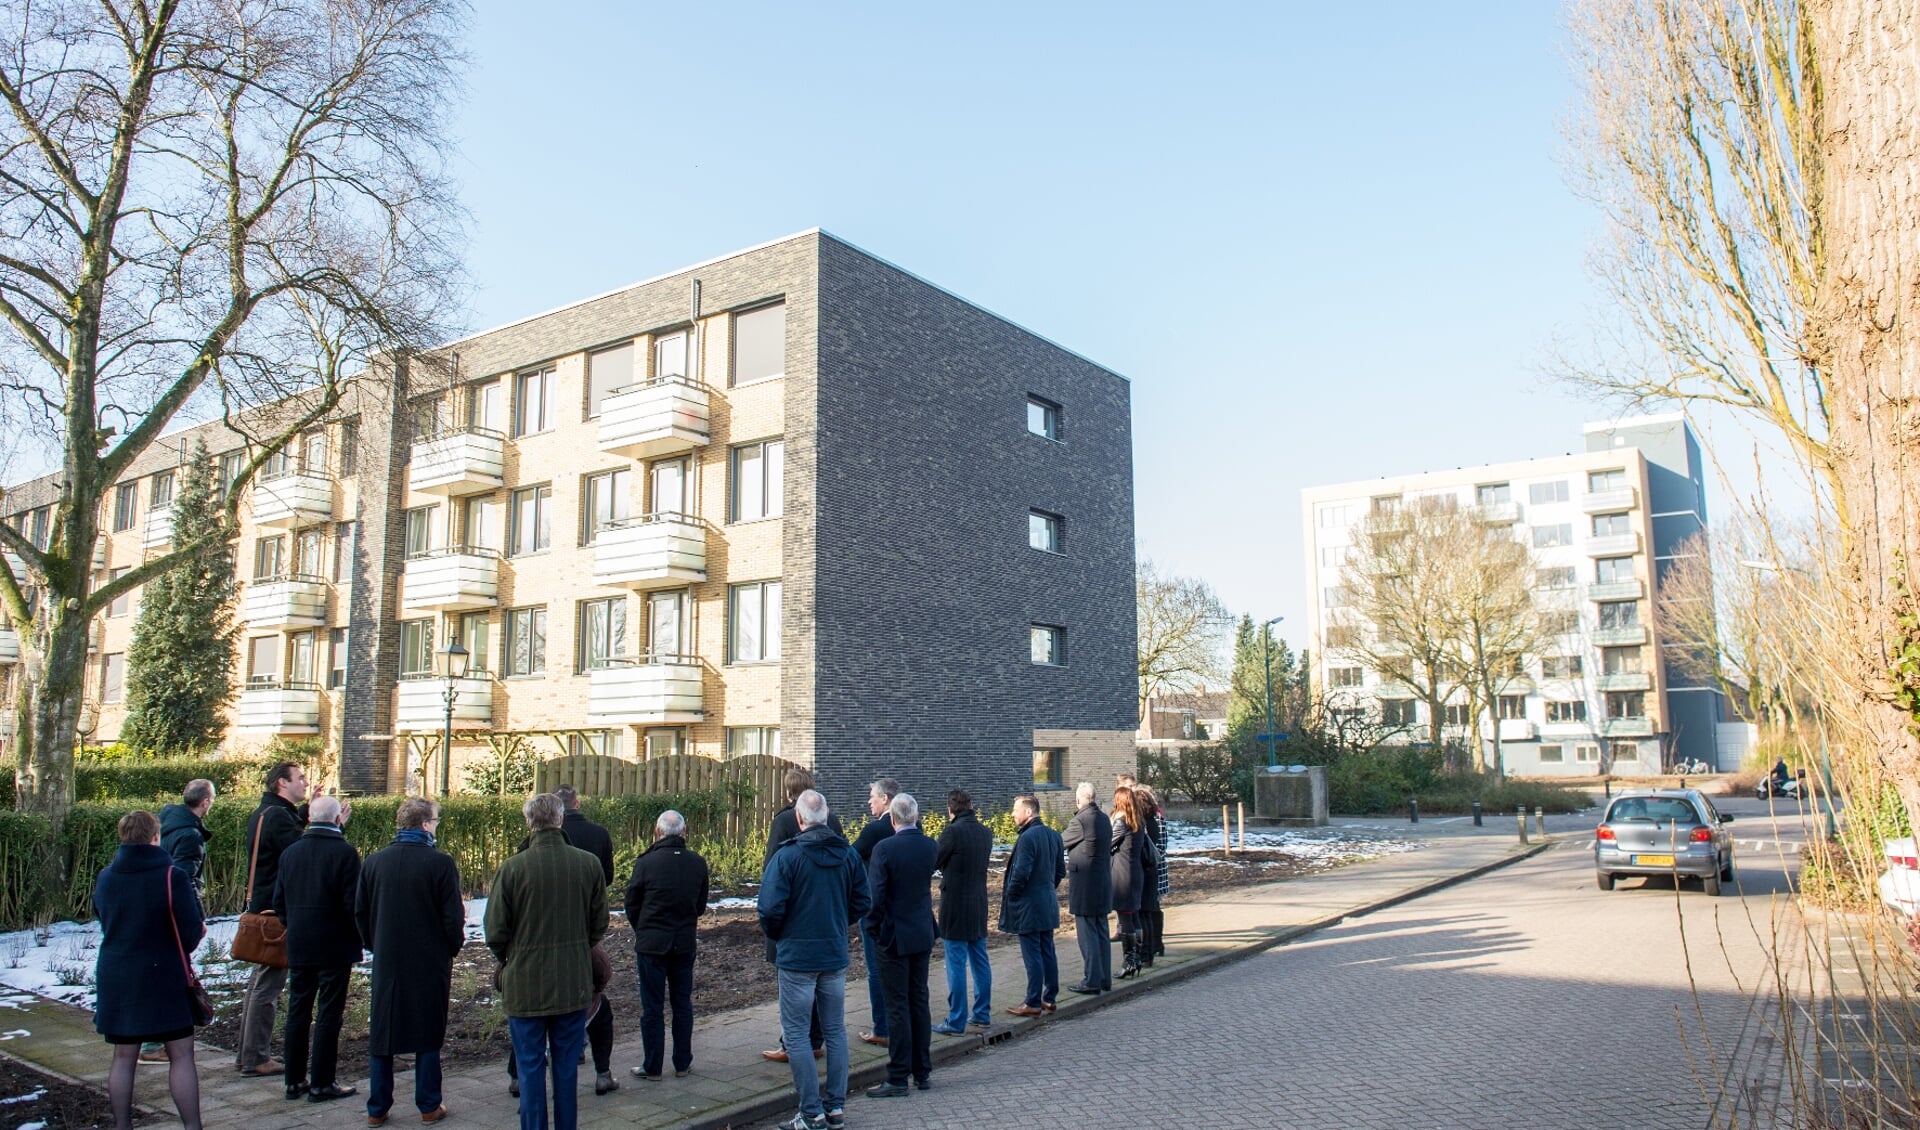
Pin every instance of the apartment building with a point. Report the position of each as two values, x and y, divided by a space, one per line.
1604 524
792 500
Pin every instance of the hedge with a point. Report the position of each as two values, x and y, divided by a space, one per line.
157 779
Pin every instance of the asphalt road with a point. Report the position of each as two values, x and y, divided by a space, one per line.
1526 998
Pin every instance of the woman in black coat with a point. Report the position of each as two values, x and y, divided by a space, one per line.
1154 869
149 922
1129 876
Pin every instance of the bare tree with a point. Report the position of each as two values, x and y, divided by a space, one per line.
1183 629
1493 617
231 204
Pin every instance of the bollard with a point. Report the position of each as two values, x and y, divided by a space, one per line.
1413 810
1609 783
1226 831
1240 814
1476 815
1522 814
1540 821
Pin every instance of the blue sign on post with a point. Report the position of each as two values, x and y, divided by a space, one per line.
1269 737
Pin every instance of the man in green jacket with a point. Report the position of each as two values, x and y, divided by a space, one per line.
547 910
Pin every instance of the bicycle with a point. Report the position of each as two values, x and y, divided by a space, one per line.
1695 767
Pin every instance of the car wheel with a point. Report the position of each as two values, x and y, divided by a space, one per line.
1726 873
1710 882
1605 880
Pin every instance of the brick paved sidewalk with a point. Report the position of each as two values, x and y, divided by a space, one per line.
731 1084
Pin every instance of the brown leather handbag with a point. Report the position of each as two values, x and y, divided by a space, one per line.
262 937
199 1001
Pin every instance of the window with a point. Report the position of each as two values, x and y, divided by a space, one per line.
337 659
1335 516
745 740
1626 704
670 355
38 523
1344 676
1611 525
759 344
419 522
1619 614
1493 494
1620 661
533 400
113 676
1612 570
1551 754
1382 505
599 743
1044 531
1560 667
1566 712
1049 768
1542 493
1342 635
309 550
600 633
269 558
1546 537
1048 645
1399 712
276 464
666 619
423 418
1615 479
758 471
342 550
667 487
1512 707
530 521
1335 556
1588 753
607 371
603 501
753 622
525 652
416 647
349 447
160 491
1624 753
486 406
1336 596
665 742
121 604
480 522
301 659
313 452
1043 418
1558 577
1560 623
474 631
231 465
263 661
126 506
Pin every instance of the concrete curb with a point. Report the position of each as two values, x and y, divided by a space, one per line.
945 1048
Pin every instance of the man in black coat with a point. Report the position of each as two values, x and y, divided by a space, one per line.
1030 904
965 849
409 912
314 895
183 832
903 930
275 825
1089 841
785 827
665 899
880 794
584 833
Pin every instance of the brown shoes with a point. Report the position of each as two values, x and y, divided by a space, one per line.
435 1115
1022 1010
779 1055
876 1041
265 1068
1049 1008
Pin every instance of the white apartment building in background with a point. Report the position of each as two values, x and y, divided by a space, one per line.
1604 525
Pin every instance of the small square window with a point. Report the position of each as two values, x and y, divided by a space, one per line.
1049 645
1043 418
1045 531
1049 768
1588 753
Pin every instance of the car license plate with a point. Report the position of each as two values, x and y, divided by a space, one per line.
1653 860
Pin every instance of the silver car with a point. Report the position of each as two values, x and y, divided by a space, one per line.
1664 832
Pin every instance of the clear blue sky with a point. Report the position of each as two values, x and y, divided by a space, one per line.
1324 242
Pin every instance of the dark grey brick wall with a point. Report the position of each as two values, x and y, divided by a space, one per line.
926 586
373 629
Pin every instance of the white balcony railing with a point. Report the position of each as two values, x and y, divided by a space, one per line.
1511 730
458 461
1498 513
651 551
1613 545
296 498
650 689
1619 637
454 579
1609 501
1624 681
158 529
1566 730
422 705
297 600
276 707
1617 590
9 647
653 418
1638 726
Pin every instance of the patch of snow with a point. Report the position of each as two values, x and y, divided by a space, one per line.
1320 846
732 904
37 1093
31 1126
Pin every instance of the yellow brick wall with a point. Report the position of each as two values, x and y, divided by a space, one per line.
1096 756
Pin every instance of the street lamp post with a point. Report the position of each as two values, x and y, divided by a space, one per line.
453 668
1266 649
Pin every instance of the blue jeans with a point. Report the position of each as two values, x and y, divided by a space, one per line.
799 992
1043 968
426 1083
960 955
875 997
565 1034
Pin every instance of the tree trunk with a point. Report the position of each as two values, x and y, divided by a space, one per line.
47 719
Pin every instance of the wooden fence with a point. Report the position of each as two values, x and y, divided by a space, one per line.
599 775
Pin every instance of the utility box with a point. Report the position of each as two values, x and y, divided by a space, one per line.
1295 794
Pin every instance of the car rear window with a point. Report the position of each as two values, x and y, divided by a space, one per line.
1653 810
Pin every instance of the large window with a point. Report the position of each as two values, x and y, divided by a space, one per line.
302 659
600 633
595 743
1557 577
1560 667
1493 494
231 464
416 647
1626 704
349 447
1546 537
1043 418
480 522
1620 614
122 604
1613 570
1045 531
1459 714
753 622
525 652
1551 755
745 740
1047 645
1560 623
263 661
39 524
342 550
160 492
1611 525
603 501
1399 712
269 557
309 551
1335 515
1512 707
530 520
758 469
607 370
419 525
486 406
670 355
474 633
1620 661
1615 479
1566 712
533 401
1542 493
126 506
759 344
1345 676
113 676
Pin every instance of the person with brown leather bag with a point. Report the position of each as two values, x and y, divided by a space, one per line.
276 824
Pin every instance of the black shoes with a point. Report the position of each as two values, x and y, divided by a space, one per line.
923 1084
329 1093
887 1091
1084 990
296 1092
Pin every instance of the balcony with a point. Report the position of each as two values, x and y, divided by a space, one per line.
650 552
1396 692
653 418
9 647
458 461
650 689
1638 726
1609 501
1614 545
271 706
1512 730
157 533
1624 681
422 706
1497 513
454 579
1619 637
295 601
294 498
1566 731
1617 590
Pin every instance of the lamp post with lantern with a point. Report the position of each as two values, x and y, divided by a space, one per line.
452 661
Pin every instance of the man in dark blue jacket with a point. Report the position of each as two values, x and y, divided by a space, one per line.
319 875
1030 904
813 888
902 928
1090 890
